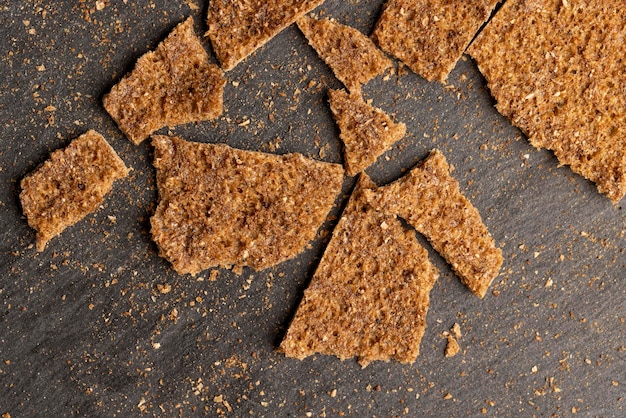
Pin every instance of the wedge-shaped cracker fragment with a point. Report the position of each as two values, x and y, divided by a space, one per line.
237 28
366 131
173 85
352 56
70 185
430 36
429 199
220 206
370 293
556 69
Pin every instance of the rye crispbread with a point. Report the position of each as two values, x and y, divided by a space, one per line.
366 131
238 28
429 199
430 36
370 293
174 84
219 206
556 69
352 56
70 185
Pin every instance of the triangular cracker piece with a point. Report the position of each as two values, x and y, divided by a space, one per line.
237 28
370 293
430 36
70 185
173 85
556 70
352 56
366 131
220 206
429 199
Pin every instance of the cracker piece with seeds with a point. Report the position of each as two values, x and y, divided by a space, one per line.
173 85
352 56
556 69
70 185
370 293
429 199
238 28
430 36
225 207
366 131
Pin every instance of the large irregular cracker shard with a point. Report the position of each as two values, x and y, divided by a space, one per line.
352 56
237 28
370 293
173 85
556 69
429 199
70 185
430 36
220 206
366 131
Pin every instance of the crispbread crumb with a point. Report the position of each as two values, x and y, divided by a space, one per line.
453 347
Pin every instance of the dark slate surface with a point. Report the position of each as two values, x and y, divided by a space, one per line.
87 327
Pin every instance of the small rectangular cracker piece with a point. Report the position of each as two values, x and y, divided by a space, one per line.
352 56
237 28
173 85
220 206
370 293
430 36
556 69
70 185
429 199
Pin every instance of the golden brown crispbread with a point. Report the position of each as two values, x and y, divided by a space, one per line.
429 199
366 131
352 56
556 69
220 206
70 185
238 28
173 85
370 293
430 36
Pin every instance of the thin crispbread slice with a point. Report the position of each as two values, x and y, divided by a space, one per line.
370 293
556 70
220 206
430 36
238 28
429 199
174 84
366 131
70 185
352 56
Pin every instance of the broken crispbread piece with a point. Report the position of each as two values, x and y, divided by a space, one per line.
429 199
370 293
220 206
366 131
173 85
556 70
352 56
238 28
70 185
430 36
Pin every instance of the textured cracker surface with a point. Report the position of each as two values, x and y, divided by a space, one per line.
174 84
370 293
366 131
70 185
430 36
557 71
238 28
352 56
429 199
219 206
